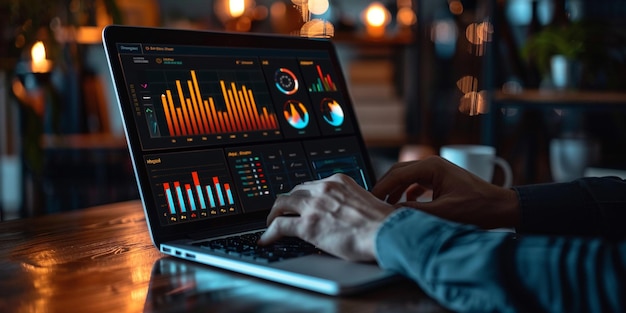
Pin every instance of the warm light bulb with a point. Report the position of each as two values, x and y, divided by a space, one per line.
376 15
236 7
38 52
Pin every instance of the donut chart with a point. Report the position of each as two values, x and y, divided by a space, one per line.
332 112
286 81
296 114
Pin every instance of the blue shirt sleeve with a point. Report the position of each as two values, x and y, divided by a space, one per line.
472 270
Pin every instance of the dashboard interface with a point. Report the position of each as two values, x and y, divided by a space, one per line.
223 131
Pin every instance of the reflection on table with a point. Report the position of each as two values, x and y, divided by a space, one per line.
101 259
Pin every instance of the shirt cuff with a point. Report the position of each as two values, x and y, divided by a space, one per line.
413 233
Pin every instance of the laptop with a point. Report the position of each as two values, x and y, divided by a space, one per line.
218 125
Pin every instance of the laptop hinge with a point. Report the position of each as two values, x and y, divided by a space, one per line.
215 231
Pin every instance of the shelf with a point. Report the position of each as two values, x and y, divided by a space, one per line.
525 139
84 141
563 98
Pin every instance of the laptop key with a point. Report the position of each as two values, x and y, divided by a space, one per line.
245 246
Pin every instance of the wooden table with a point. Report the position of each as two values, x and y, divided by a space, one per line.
101 259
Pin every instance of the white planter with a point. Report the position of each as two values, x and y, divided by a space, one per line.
565 73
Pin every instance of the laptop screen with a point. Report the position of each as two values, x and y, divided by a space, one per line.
222 130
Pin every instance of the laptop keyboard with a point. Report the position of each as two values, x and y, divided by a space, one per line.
245 246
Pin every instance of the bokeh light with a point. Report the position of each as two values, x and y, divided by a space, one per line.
236 8
474 103
406 17
444 35
318 7
38 52
317 28
456 7
467 84
376 15
478 34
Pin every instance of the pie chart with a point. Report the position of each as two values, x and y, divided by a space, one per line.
296 114
332 112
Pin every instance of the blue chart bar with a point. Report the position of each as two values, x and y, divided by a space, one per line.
192 197
170 198
202 203
196 183
210 193
181 201
218 189
229 193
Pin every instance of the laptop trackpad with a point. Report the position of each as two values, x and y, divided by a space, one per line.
332 268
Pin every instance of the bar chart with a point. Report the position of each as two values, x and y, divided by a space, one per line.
192 185
323 82
188 112
184 198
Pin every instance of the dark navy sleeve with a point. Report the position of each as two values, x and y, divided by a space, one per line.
589 206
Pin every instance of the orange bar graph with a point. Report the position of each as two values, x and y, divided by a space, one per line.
196 115
168 115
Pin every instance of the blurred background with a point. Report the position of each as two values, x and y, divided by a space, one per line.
532 78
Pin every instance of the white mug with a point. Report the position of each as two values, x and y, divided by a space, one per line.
569 157
479 160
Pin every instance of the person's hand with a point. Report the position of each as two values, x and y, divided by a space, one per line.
335 214
458 195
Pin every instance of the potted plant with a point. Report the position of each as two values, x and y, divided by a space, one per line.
559 52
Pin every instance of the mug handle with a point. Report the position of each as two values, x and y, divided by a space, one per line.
506 168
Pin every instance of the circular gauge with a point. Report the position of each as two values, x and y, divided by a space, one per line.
296 114
286 81
332 112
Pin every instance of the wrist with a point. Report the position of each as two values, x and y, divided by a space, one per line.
510 209
391 220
